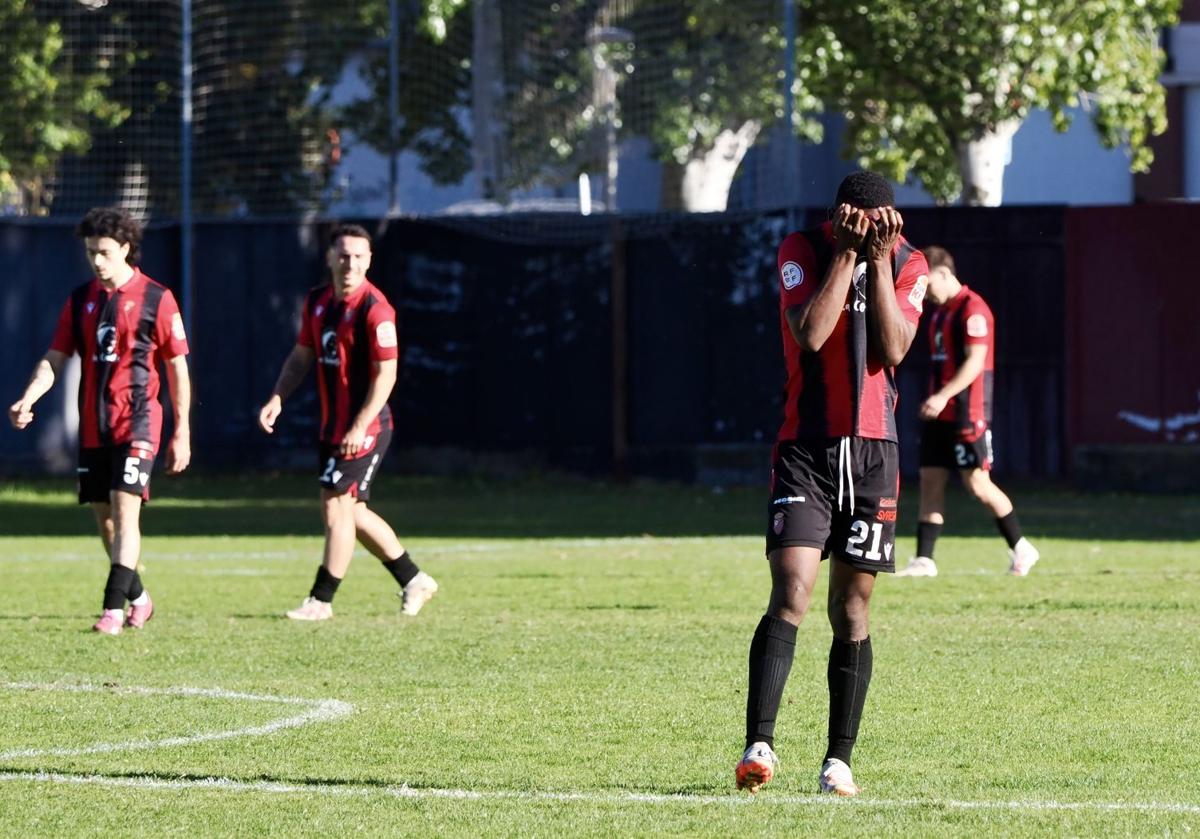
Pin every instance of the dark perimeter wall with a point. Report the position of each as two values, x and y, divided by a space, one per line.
507 334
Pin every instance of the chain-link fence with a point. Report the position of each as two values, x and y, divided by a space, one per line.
303 108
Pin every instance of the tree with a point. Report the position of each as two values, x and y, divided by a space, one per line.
48 105
936 90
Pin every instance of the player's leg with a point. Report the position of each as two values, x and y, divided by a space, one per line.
118 518
930 519
102 510
848 672
377 536
798 515
337 513
793 575
1022 554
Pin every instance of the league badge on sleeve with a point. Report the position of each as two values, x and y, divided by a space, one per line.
917 296
385 334
792 275
977 326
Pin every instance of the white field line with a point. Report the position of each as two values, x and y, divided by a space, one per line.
317 710
226 554
765 800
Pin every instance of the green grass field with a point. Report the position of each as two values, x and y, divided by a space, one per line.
582 671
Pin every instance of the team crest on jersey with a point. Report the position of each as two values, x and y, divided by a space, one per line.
977 326
106 343
329 349
385 334
91 307
792 275
128 306
317 311
916 297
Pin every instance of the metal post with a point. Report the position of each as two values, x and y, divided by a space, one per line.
394 108
187 233
792 170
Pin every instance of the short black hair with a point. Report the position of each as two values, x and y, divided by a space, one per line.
116 224
356 231
865 191
938 257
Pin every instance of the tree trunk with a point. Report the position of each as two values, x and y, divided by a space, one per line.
981 163
707 177
487 101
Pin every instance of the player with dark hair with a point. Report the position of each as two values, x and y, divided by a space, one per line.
349 328
850 300
122 324
957 414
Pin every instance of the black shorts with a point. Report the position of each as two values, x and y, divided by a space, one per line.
944 446
120 468
803 510
353 475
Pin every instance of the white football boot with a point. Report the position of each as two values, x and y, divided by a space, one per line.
1022 557
836 779
312 609
757 767
419 591
919 566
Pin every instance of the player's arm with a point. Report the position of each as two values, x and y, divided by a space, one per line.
48 368
813 322
970 370
383 379
179 450
295 368
889 332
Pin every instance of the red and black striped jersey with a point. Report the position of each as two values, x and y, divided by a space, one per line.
964 320
843 389
348 337
120 337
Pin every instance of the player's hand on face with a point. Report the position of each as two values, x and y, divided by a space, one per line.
850 228
886 230
20 414
269 413
352 442
179 454
933 406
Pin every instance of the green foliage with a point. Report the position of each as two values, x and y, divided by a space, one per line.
47 103
917 80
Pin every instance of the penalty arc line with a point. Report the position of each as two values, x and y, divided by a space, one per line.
318 710
407 792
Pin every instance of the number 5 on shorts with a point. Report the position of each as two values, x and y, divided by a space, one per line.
131 470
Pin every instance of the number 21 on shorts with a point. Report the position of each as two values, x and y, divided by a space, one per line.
865 539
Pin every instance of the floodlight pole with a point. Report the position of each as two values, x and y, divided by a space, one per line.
792 168
394 108
186 225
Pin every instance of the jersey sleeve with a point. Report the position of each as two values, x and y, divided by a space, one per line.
64 333
381 326
910 287
979 324
168 329
797 266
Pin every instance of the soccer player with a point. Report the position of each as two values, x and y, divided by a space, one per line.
956 415
349 329
850 301
122 324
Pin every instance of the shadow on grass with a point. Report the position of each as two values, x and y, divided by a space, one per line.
562 507
316 785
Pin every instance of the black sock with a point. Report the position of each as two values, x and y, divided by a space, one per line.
1010 528
325 586
402 568
927 533
135 587
771 654
116 590
849 677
